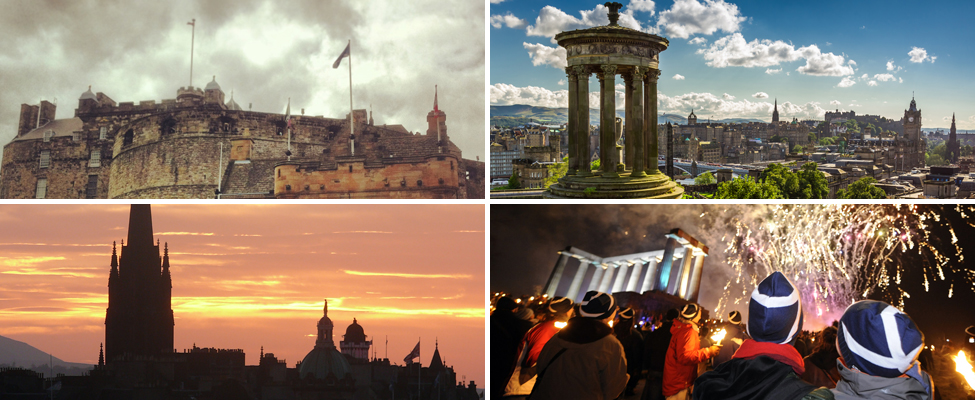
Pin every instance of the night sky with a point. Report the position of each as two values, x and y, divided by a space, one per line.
525 239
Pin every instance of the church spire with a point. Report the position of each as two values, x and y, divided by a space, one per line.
140 226
435 108
114 260
165 265
101 354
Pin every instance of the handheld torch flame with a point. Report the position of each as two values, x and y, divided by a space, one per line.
719 336
560 324
963 366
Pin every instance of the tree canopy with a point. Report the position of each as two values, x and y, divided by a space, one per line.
747 188
779 182
862 189
705 179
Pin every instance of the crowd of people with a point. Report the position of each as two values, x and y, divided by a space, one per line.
597 349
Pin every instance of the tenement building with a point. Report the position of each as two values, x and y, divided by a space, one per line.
201 145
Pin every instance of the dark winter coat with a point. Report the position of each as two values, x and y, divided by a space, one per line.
759 371
583 361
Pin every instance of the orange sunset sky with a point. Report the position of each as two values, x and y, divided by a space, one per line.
246 276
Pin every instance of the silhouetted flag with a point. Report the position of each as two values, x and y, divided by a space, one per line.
413 354
345 53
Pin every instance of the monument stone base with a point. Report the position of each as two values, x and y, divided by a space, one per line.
651 186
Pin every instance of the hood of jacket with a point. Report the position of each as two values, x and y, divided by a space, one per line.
858 385
581 330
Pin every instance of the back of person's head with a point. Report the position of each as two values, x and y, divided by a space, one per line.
690 312
525 313
735 317
671 314
597 305
775 310
826 340
560 307
878 339
622 329
505 304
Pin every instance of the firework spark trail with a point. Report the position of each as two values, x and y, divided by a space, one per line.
838 254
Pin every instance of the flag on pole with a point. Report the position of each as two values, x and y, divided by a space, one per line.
345 53
287 114
413 354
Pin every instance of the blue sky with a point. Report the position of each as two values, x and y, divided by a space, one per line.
733 58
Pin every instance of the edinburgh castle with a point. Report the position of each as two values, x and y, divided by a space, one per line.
201 145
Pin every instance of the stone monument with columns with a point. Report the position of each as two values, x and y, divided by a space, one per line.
607 51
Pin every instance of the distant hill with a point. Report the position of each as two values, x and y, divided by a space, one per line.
520 114
20 354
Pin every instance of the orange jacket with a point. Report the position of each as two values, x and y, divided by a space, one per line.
683 355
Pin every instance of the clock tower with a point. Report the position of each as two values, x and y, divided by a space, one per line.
912 123
912 154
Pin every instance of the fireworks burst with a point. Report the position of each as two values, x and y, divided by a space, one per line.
839 254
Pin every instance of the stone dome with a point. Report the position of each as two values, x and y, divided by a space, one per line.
232 105
213 84
320 362
354 332
88 95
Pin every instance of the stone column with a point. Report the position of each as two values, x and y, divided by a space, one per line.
651 120
596 276
676 273
556 277
634 125
620 277
685 273
573 293
666 264
582 120
573 161
695 284
650 280
628 142
607 278
633 282
608 156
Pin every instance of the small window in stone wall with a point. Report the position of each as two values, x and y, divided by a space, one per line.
127 138
91 191
350 168
102 133
41 190
419 182
45 158
48 135
96 159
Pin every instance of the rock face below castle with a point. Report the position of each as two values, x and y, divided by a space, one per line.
197 146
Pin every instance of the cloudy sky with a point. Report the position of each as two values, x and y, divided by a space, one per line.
265 51
246 276
733 58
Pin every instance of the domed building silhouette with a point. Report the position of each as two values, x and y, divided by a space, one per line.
355 344
324 368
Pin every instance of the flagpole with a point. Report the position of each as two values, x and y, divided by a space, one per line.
351 109
192 41
419 370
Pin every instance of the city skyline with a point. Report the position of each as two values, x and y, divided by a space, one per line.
264 52
734 59
252 276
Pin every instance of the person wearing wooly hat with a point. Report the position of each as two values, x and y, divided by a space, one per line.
584 360
522 379
879 346
767 366
684 354
733 338
632 342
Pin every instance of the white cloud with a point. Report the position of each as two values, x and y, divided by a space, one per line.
835 103
760 95
872 83
864 77
892 67
885 77
919 55
846 82
508 20
901 80
690 17
733 50
728 97
698 40
544 55
771 71
561 82
678 77
505 94
641 5
496 1
551 21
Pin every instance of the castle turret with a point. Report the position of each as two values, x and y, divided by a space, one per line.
437 120
87 102
212 94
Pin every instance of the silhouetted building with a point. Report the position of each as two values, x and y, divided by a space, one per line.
139 319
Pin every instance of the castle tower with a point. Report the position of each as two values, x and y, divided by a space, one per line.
139 319
692 119
213 94
954 149
775 112
914 152
355 343
437 120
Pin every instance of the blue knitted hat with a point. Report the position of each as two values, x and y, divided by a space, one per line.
878 339
775 310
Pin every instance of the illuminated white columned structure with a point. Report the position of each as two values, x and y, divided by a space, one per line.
676 270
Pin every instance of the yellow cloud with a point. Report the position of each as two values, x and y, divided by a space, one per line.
405 275
26 261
